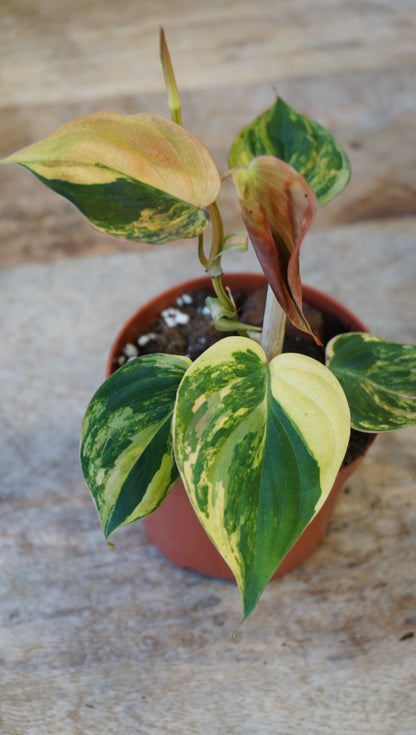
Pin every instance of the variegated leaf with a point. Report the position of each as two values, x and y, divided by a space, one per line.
258 447
126 445
138 177
379 380
298 140
278 208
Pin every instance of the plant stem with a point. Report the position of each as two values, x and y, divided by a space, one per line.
274 324
222 294
213 266
201 254
217 231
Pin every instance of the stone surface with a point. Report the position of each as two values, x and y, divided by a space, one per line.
100 640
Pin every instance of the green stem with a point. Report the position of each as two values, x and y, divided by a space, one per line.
217 231
213 266
201 253
222 294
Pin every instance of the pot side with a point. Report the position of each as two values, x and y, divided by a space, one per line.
174 527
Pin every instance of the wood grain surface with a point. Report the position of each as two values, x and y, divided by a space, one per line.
118 641
348 64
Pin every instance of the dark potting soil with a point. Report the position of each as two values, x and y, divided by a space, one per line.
186 328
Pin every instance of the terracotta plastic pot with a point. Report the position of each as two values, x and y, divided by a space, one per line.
174 528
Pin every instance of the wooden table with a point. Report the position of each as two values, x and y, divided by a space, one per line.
114 641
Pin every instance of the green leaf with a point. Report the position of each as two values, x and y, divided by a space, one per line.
301 142
126 444
278 208
258 447
379 380
138 177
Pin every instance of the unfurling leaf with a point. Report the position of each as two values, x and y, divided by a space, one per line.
258 447
225 319
234 241
138 177
126 444
174 101
379 380
278 207
298 140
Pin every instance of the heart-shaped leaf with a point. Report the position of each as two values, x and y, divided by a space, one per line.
298 140
258 447
278 207
379 380
126 444
138 177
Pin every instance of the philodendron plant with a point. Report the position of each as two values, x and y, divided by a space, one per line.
257 435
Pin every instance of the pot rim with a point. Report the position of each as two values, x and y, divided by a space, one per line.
182 552
149 310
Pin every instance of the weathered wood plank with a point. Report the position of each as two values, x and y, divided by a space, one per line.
119 641
83 50
94 639
322 57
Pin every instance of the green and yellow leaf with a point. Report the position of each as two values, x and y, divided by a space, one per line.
379 380
301 142
138 177
126 444
278 208
258 447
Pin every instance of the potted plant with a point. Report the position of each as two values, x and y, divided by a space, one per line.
256 434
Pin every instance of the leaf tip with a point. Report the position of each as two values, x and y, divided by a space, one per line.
174 101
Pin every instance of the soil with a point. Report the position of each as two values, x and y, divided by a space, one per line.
186 328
